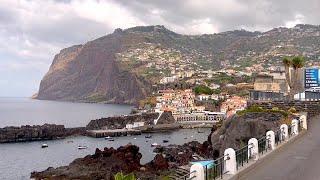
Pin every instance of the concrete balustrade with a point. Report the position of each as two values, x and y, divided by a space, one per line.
197 171
253 149
303 122
295 127
230 161
270 140
284 132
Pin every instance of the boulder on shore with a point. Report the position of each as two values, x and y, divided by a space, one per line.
236 132
105 164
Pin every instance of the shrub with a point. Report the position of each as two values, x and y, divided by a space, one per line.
202 89
292 110
121 176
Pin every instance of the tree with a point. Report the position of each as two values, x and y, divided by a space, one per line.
121 176
294 78
202 89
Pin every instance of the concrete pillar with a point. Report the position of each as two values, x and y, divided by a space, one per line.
284 132
270 140
253 150
230 161
197 172
294 124
303 122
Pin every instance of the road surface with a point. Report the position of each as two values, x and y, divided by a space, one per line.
297 160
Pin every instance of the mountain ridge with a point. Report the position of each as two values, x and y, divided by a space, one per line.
115 68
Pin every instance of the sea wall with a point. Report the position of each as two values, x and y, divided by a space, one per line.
37 132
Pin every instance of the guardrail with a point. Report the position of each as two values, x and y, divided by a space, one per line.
233 160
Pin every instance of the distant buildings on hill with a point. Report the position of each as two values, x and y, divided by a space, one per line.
232 105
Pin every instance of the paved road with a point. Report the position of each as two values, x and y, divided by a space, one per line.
298 160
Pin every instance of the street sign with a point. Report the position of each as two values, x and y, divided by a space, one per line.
312 78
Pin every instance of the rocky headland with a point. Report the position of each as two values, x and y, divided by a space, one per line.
37 132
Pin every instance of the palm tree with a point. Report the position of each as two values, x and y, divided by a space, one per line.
287 63
294 79
298 62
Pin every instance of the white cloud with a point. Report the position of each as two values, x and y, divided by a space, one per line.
33 31
298 19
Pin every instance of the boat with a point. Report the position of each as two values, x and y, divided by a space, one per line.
199 131
155 145
148 136
82 147
111 139
44 145
108 137
69 141
165 141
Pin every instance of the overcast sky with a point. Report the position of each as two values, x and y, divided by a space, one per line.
33 31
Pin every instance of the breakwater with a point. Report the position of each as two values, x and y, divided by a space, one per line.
37 132
119 122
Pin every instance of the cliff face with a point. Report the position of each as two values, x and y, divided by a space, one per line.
90 73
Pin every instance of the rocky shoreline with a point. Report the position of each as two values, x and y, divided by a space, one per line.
104 164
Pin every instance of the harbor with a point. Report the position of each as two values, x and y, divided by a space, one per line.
112 132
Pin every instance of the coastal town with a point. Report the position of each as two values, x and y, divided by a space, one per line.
210 91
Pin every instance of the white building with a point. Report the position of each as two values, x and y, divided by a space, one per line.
199 117
138 124
204 97
129 126
166 80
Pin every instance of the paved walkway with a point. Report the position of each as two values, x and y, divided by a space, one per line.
297 160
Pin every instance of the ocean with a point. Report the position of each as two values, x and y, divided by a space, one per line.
18 160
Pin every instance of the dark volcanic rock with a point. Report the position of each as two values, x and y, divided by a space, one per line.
179 155
158 163
34 133
239 129
166 118
119 122
104 165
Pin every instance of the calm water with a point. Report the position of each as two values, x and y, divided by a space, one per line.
18 160
23 111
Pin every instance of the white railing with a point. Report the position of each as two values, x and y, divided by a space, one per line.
234 160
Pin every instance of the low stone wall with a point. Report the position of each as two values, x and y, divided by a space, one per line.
35 133
311 107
